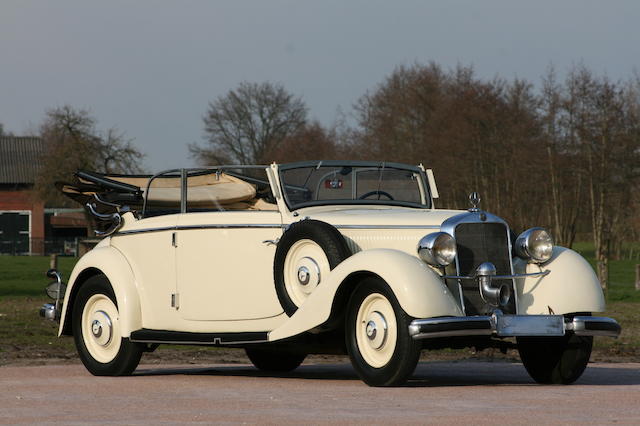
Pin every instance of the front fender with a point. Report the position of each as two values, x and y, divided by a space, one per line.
110 262
571 286
419 290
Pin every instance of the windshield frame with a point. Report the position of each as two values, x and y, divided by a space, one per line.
423 185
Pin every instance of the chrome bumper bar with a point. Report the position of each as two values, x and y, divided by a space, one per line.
500 325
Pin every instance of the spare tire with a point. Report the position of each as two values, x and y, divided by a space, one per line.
306 253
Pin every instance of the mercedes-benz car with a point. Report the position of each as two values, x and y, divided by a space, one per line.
318 257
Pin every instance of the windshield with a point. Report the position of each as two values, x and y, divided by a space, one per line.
375 183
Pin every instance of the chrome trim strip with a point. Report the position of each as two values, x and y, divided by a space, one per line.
387 226
228 226
145 230
188 227
499 277
216 341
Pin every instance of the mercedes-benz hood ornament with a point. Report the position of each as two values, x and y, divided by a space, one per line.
474 197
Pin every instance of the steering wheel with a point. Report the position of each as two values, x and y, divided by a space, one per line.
378 193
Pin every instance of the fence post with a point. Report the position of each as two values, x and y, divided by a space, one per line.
637 277
53 261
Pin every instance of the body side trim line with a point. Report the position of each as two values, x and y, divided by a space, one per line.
263 225
387 226
188 227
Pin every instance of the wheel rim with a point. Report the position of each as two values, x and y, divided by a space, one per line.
100 328
376 330
304 267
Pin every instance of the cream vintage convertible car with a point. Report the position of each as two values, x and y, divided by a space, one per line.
318 257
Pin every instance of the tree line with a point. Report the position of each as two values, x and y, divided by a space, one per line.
563 153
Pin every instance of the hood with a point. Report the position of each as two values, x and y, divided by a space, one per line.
379 216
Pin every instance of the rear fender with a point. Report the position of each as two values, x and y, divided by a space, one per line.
571 286
104 259
420 291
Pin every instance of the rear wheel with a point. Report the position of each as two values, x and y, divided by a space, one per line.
273 360
555 360
97 334
377 336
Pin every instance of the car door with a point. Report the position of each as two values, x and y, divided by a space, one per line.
224 265
147 246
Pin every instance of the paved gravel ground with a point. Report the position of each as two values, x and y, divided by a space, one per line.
439 392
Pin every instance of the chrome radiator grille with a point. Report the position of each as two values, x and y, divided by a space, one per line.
478 243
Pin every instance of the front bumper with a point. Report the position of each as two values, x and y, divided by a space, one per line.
500 325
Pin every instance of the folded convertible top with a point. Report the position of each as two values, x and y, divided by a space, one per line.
109 192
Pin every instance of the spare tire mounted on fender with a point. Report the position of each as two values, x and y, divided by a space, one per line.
306 253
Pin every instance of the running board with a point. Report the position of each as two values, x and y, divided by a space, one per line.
185 338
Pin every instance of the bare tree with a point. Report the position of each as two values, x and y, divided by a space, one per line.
565 187
72 142
116 154
472 132
311 142
566 157
249 123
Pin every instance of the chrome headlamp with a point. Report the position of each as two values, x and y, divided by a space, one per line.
437 249
534 245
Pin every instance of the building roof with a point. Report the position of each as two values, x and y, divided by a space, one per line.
19 159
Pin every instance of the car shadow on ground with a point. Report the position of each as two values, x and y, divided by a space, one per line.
427 374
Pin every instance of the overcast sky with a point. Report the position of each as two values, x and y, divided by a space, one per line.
150 67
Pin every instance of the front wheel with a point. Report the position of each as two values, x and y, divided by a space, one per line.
377 336
555 360
97 334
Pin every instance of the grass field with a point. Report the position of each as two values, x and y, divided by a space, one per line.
621 275
25 275
24 336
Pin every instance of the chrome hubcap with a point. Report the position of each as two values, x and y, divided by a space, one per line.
303 268
101 328
371 330
96 328
303 275
376 329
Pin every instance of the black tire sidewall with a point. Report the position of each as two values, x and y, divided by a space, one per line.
407 351
559 360
127 358
326 236
274 360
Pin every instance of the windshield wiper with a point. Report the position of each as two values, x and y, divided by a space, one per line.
304 185
380 180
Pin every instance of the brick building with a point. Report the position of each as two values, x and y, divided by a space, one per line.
26 225
22 225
